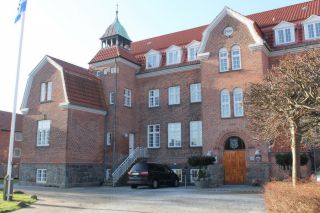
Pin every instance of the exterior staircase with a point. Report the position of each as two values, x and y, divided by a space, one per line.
139 152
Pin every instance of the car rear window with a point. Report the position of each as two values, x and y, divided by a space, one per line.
140 167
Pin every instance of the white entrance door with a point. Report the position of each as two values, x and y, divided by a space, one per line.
131 143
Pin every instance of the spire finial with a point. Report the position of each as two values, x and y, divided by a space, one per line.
117 11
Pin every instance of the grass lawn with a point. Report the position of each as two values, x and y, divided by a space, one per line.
6 206
282 197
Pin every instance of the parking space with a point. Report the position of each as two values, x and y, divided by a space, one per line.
144 199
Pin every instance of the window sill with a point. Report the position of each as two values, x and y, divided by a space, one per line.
174 147
42 146
153 147
153 107
130 107
173 105
46 102
200 146
196 102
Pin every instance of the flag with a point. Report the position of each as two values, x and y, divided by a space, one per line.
21 9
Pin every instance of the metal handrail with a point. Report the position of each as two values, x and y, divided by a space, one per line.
139 152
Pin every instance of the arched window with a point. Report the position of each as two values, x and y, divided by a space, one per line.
236 57
225 104
223 60
238 102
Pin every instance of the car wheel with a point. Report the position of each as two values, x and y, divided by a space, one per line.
155 184
134 186
175 183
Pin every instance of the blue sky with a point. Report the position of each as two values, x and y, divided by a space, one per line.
70 29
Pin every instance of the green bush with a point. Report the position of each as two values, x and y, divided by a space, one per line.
201 162
285 160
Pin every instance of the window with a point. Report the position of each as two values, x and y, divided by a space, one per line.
174 95
223 60
196 133
41 176
174 134
193 53
108 142
225 104
46 92
17 153
154 98
284 33
173 55
18 136
236 57
178 173
112 97
154 136
195 93
193 175
238 102
43 133
312 28
152 59
127 97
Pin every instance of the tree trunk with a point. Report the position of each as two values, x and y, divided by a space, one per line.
295 149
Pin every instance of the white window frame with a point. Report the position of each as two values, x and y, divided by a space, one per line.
314 22
154 98
18 136
174 135
283 27
112 97
236 57
43 133
223 60
195 93
194 173
153 59
15 152
109 138
154 135
174 95
195 133
127 97
46 91
173 55
178 172
225 104
238 103
193 47
41 176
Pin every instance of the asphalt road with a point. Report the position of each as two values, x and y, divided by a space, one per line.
145 200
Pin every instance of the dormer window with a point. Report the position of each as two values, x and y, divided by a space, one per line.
284 33
193 48
152 59
312 28
173 55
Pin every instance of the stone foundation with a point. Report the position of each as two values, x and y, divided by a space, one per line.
258 172
216 174
62 175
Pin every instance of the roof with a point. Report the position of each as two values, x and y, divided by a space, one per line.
116 28
5 121
266 19
290 13
83 88
113 52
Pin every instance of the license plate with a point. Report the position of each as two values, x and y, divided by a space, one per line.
135 173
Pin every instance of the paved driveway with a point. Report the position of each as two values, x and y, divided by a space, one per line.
125 199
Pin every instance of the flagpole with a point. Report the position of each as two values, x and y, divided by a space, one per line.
13 119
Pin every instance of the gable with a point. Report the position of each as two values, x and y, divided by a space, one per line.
228 12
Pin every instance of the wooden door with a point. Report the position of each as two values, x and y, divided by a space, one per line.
234 167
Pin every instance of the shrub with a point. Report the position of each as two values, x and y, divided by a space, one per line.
285 160
282 197
201 162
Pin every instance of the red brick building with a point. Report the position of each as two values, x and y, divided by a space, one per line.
5 129
172 96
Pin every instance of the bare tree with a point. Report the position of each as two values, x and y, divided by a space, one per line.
285 105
